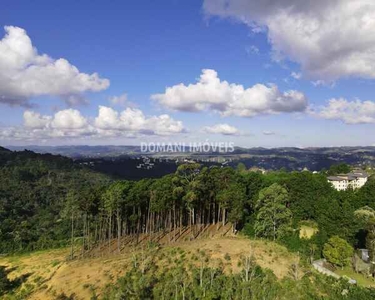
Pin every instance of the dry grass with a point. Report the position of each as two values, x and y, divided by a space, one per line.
306 232
52 274
267 254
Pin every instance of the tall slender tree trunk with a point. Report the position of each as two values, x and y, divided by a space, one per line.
224 212
72 236
110 232
118 230
180 221
218 216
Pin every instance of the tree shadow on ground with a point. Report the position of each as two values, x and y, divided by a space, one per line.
7 285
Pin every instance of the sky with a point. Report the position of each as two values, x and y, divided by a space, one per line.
257 74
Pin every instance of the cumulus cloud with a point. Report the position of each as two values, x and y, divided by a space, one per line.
132 119
64 123
69 119
109 123
35 120
65 119
224 129
25 74
350 112
329 39
230 99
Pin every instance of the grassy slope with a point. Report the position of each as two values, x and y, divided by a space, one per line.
361 279
51 274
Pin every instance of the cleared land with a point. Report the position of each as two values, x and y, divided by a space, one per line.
50 273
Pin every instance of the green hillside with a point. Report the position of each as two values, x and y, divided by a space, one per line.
48 201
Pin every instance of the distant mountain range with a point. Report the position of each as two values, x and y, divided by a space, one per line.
270 159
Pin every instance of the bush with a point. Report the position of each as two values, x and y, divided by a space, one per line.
248 229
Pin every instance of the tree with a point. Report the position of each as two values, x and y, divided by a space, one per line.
366 194
338 251
273 217
338 168
366 215
188 171
241 168
71 211
114 200
236 193
305 190
249 266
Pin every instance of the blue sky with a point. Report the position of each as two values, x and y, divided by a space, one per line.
143 47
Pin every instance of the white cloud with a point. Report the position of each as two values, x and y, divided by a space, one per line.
350 112
230 99
64 123
25 74
224 129
68 119
35 120
164 125
121 100
70 123
296 75
133 119
329 39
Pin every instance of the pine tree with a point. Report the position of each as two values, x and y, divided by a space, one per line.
273 216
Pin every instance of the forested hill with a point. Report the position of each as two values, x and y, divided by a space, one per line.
33 188
47 201
2 149
10 158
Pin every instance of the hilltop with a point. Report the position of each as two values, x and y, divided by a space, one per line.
2 149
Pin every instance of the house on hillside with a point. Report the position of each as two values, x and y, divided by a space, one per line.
355 180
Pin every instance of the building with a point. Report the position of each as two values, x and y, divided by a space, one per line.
147 164
354 180
257 170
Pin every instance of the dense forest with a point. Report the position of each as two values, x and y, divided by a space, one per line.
33 193
47 200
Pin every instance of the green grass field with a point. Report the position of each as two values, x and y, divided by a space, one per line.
361 279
